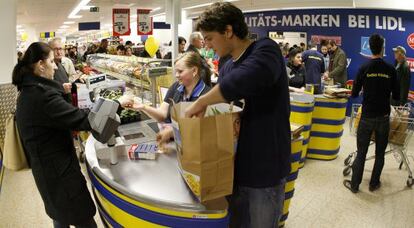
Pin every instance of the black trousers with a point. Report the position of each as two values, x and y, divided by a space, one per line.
89 224
381 127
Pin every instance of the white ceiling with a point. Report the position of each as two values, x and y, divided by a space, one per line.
49 15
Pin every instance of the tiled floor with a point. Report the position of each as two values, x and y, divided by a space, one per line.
320 199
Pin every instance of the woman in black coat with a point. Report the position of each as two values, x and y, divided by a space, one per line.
45 121
296 71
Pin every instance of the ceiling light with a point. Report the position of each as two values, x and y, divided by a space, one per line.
19 26
87 7
134 16
206 4
156 9
78 8
64 26
68 22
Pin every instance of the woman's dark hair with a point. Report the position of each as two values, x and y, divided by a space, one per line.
181 39
292 55
120 47
35 52
219 15
376 43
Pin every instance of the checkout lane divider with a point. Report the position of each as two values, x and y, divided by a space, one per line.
150 215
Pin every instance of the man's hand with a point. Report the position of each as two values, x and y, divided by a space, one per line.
197 109
67 87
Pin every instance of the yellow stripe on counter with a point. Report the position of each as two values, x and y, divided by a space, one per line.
320 143
122 217
289 186
322 157
160 210
329 113
286 205
327 128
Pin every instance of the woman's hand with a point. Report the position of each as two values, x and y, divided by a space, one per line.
137 105
126 101
67 87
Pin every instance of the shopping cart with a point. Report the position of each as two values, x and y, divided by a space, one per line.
401 130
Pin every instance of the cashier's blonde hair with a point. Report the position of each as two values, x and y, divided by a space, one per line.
194 59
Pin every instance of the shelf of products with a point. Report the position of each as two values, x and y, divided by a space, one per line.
144 73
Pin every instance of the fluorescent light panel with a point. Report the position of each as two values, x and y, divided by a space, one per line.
78 8
87 7
68 22
64 26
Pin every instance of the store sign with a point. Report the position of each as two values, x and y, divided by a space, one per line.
410 62
348 24
410 40
318 38
365 50
120 22
47 34
144 22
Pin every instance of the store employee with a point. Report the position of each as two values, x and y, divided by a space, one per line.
257 74
189 87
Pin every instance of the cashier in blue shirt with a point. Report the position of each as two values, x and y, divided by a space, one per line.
188 87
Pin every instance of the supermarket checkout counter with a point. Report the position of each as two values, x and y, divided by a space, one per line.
328 118
146 193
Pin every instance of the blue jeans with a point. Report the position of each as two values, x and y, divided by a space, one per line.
381 127
89 224
257 207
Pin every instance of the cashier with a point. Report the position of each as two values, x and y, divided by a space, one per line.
296 71
188 87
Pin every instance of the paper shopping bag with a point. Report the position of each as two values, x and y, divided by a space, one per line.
14 156
206 148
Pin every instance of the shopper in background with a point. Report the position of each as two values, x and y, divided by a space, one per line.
337 64
303 46
189 87
128 51
91 50
378 80
103 48
207 53
181 48
120 50
129 43
62 73
324 51
257 74
296 71
196 42
19 56
315 67
45 121
403 75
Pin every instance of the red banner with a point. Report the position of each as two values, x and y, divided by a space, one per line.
120 22
410 40
318 38
145 25
410 62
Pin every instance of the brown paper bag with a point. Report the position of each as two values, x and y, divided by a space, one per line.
14 156
206 148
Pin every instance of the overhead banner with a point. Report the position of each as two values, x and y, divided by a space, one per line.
144 22
351 28
47 34
120 22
